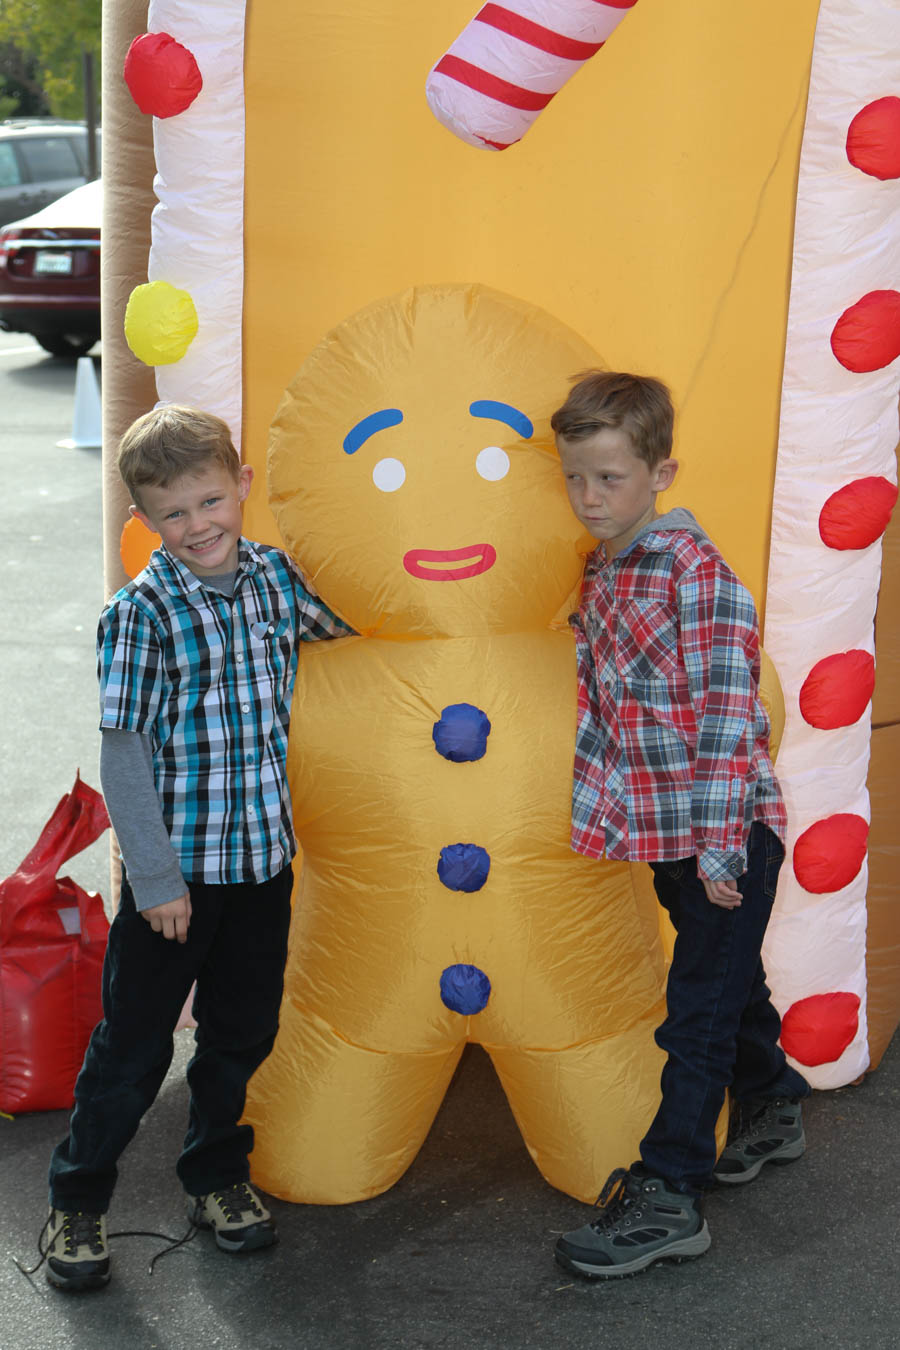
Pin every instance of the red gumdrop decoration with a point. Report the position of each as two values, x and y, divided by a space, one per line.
873 138
163 76
857 514
837 690
830 853
867 335
818 1029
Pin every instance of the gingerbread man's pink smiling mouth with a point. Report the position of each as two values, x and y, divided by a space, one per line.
431 564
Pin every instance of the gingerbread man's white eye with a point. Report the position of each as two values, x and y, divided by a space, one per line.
492 463
388 475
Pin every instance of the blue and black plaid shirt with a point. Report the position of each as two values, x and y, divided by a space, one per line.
209 678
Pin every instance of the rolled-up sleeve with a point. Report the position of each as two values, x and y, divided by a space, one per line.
129 668
315 621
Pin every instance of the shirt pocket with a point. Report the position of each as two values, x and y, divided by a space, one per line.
269 631
271 649
647 642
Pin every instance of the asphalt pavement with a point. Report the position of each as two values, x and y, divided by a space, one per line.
459 1252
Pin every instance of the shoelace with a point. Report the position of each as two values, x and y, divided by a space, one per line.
90 1223
82 1230
614 1201
763 1123
753 1122
236 1200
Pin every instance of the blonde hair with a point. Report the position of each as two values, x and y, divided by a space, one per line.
170 442
638 404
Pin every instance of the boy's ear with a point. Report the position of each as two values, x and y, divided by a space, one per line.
142 517
664 474
245 478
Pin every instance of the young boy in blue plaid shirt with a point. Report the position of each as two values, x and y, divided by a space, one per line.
196 659
672 767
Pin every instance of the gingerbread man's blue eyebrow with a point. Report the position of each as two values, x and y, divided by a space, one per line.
376 421
503 412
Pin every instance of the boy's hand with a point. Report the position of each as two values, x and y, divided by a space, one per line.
171 919
722 893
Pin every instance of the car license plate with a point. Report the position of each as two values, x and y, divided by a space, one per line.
55 264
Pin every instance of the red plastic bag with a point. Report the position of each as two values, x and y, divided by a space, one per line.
52 941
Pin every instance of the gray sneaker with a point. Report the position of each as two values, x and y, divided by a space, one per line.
77 1252
772 1134
642 1222
236 1215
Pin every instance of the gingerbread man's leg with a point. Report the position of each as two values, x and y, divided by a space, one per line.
584 1105
335 1122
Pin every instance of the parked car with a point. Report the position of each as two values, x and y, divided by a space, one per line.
40 159
50 273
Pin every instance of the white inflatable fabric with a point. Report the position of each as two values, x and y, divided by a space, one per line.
198 225
837 426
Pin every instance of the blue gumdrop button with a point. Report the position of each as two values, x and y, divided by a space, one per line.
464 867
462 732
465 989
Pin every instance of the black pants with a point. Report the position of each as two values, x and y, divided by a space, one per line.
235 950
721 1029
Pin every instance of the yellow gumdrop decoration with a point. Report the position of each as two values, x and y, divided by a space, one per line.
160 323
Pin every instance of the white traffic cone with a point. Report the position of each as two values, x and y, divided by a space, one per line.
86 422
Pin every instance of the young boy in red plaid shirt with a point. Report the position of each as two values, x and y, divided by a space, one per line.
672 767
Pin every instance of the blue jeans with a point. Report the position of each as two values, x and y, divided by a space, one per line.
721 1029
235 950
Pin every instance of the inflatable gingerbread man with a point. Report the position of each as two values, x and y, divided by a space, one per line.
414 479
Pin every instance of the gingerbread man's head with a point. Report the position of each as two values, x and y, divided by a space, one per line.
413 472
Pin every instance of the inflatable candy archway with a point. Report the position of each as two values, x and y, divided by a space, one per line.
745 248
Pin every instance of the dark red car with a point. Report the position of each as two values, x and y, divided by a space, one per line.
50 273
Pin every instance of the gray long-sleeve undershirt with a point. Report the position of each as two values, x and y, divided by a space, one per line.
126 776
129 789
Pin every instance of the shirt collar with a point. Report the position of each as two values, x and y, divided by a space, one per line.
654 537
177 578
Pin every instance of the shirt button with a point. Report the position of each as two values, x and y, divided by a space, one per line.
249 759
245 707
271 628
239 658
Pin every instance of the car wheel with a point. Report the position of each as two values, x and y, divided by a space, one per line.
65 344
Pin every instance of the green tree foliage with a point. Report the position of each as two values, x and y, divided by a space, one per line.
20 90
41 46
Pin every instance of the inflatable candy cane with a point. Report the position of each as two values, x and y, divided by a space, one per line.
507 64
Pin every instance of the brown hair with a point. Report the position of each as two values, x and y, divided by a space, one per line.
638 404
171 441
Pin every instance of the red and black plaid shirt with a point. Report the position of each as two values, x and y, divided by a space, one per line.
671 755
